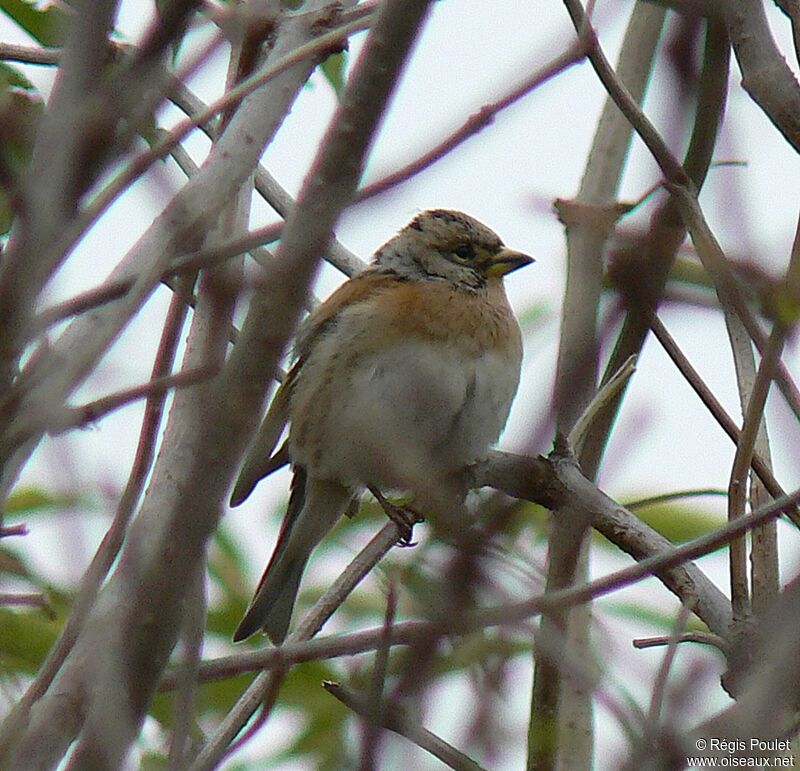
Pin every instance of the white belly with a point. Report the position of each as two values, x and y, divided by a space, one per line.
412 413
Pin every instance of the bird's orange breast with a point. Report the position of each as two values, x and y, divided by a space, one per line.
431 310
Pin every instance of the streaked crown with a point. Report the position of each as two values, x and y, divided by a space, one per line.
451 246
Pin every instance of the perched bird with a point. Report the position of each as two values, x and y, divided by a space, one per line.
403 377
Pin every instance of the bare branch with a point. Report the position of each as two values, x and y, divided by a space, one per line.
556 485
660 685
188 683
311 623
193 475
576 381
112 541
765 74
10 52
67 145
29 601
692 586
725 421
395 720
644 279
704 638
76 417
12 530
475 123
374 708
47 381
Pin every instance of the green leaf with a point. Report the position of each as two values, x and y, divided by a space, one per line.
679 522
324 738
226 567
45 25
661 619
333 69
31 500
213 698
153 761
535 316
25 638
10 77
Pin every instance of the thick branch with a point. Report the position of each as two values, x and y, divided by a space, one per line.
765 74
557 484
136 620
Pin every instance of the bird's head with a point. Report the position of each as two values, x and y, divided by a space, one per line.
452 246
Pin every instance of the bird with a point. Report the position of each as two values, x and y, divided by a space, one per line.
401 379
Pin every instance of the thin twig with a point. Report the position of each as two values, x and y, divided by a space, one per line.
766 76
655 565
193 634
395 720
247 704
645 286
30 601
715 408
272 192
765 576
76 417
291 653
667 162
10 52
704 638
475 123
299 649
328 188
269 699
608 392
742 462
338 255
231 98
12 530
660 685
560 721
730 295
374 714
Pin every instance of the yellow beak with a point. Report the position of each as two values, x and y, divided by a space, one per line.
506 261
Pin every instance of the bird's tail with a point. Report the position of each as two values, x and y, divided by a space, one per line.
314 507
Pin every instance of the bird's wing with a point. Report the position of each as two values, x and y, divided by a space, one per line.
352 292
259 461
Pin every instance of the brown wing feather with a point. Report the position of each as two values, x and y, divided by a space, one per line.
357 289
258 462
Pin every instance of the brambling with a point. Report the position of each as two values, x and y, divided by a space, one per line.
403 377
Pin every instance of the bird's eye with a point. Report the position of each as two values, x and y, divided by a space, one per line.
465 252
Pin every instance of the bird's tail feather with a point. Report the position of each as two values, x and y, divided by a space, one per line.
314 507
272 606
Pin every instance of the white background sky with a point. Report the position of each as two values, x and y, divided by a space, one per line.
470 53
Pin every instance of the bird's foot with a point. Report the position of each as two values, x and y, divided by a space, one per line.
404 517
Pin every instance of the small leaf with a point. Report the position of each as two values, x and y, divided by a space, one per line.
25 639
662 619
153 761
28 500
215 697
45 25
333 68
535 316
679 522
324 739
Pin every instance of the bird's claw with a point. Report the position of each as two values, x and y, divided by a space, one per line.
404 517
